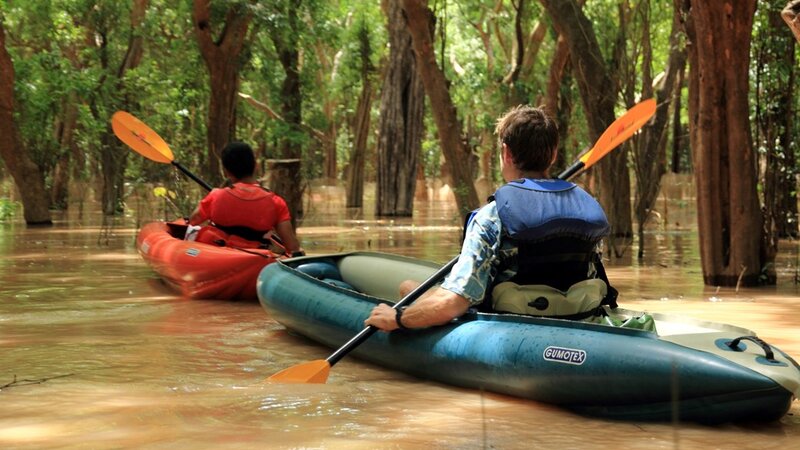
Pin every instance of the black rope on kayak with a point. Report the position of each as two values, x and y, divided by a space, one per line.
222 243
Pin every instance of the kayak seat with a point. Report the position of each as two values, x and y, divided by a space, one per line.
325 271
360 271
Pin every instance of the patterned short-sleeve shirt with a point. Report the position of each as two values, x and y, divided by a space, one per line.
481 254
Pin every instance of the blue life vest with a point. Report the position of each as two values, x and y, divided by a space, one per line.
556 226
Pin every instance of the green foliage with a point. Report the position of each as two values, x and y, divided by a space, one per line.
68 52
8 209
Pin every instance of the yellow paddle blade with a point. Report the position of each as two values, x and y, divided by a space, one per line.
138 136
620 130
311 372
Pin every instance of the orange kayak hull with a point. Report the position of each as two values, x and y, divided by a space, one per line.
199 270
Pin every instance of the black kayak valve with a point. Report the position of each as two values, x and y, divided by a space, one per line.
540 303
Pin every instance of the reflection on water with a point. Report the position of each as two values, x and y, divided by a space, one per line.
116 360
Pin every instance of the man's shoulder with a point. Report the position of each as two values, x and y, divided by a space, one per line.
488 212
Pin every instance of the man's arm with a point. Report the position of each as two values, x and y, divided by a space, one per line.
196 218
289 239
437 307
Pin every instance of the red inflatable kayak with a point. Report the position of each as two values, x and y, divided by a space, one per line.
201 270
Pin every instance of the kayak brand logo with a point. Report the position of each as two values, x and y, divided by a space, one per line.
192 251
564 355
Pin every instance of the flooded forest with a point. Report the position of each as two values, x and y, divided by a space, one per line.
375 122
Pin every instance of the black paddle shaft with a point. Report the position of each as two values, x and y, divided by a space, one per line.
411 297
191 175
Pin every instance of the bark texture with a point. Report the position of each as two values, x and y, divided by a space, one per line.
401 121
287 45
598 96
729 218
460 160
113 155
650 151
361 127
27 175
222 55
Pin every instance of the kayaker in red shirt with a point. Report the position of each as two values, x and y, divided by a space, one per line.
246 209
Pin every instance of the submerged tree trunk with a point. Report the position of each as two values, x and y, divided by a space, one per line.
678 130
361 124
650 151
460 160
287 45
65 132
401 121
558 102
775 75
728 212
113 155
27 175
355 168
223 57
599 98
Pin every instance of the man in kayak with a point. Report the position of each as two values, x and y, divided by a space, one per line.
244 209
531 250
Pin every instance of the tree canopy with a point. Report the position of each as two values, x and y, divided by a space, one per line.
301 81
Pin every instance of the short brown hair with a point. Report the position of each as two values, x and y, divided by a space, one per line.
531 136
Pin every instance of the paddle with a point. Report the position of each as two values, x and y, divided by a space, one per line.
616 133
621 129
138 136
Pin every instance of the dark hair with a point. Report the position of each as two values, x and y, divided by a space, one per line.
531 136
238 159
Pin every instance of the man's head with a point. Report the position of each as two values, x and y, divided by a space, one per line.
238 159
530 135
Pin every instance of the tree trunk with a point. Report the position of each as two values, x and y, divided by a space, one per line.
678 130
728 212
222 55
65 132
774 116
361 125
401 121
113 158
27 175
599 98
650 151
557 102
355 167
460 160
113 155
290 186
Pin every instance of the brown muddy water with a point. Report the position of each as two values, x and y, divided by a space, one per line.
96 353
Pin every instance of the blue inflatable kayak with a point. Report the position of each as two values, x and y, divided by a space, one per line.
685 369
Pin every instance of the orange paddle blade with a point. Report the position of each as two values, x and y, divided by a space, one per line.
138 136
311 372
620 130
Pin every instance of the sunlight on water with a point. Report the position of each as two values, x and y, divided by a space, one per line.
95 352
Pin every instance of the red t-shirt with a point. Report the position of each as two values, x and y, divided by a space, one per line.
244 205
